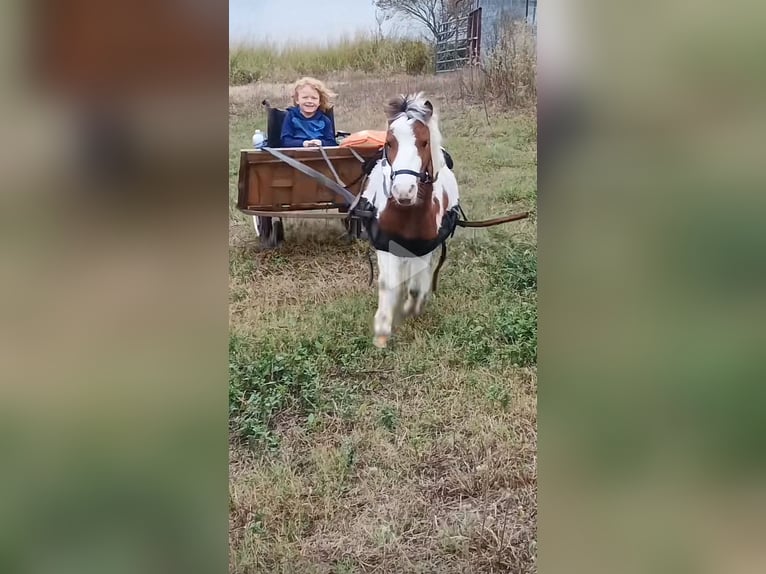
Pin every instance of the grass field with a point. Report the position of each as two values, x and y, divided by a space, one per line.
421 457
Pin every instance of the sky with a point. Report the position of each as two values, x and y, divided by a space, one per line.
297 21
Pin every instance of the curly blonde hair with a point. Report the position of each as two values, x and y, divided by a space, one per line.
325 94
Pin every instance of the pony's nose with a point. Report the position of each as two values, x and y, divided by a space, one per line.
405 190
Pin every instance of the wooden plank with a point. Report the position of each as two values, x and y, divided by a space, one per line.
267 183
295 214
296 207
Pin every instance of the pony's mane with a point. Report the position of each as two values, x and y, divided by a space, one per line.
417 107
414 106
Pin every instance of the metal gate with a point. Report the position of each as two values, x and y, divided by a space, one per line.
459 39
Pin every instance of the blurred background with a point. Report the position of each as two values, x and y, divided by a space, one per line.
113 294
113 289
651 277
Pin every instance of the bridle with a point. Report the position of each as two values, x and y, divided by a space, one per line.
424 177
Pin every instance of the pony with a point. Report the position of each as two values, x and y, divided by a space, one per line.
414 198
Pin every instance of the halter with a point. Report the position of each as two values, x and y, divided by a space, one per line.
423 177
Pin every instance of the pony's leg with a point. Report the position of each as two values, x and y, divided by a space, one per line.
418 284
389 283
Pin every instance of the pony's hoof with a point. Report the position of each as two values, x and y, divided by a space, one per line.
381 341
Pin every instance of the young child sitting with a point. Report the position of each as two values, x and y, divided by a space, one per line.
306 124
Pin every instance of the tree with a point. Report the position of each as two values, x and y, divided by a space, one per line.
381 18
431 13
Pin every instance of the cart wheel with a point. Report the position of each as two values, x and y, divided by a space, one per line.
272 232
266 232
263 226
355 228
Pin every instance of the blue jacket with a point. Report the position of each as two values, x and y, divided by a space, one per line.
296 128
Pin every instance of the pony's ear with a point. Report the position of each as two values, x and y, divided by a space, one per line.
429 106
394 107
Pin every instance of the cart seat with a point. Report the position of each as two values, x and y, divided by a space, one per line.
275 117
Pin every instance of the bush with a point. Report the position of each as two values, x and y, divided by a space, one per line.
508 72
417 58
363 53
512 65
239 74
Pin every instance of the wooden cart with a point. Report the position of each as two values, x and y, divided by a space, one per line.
270 189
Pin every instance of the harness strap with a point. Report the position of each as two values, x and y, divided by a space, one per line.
369 260
383 163
356 155
332 168
320 177
442 257
367 165
423 177
434 279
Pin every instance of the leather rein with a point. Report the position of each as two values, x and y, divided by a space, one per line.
351 199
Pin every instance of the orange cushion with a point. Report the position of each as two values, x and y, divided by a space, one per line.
365 138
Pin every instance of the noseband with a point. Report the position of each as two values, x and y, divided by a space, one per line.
424 177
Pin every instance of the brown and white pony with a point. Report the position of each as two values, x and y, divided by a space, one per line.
411 189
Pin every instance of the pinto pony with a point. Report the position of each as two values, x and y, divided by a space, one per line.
414 198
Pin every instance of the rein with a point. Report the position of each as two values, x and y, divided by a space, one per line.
491 222
351 199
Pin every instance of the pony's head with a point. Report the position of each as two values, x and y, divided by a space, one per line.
413 146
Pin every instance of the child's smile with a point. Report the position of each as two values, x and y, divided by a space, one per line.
308 100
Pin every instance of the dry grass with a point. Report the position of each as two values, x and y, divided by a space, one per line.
362 53
419 458
330 269
451 490
510 70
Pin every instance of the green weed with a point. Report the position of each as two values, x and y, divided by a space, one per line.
264 382
389 418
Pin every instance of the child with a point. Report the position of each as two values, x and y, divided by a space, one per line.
306 124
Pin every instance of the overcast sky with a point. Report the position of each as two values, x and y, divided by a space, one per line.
296 21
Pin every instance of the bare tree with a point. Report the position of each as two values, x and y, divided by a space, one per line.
431 13
381 18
